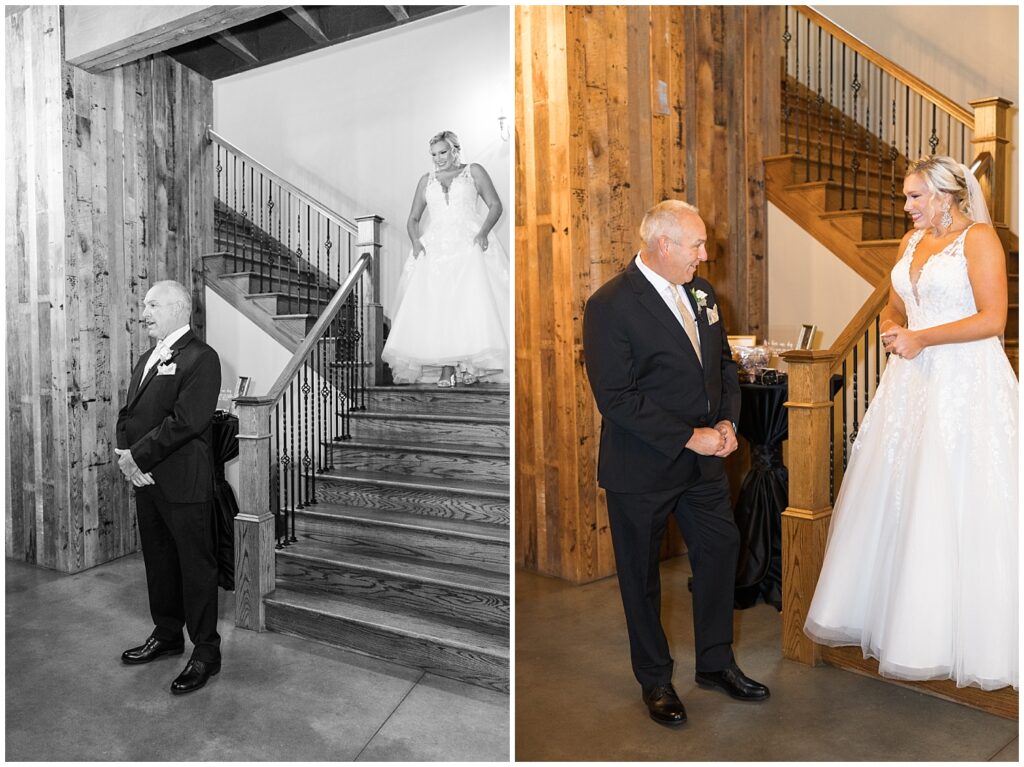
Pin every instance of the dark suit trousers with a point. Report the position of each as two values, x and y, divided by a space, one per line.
704 515
181 569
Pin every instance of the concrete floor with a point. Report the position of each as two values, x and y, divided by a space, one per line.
279 698
576 698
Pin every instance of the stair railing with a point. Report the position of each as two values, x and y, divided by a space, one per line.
286 437
292 243
856 118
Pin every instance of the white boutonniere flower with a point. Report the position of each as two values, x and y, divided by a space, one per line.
164 354
700 297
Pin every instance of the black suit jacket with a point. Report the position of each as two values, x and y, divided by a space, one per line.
167 421
650 387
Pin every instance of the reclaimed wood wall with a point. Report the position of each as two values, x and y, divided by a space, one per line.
109 189
617 108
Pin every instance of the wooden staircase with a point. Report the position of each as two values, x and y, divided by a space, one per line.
263 279
405 554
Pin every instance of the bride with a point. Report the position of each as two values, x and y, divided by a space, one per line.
453 295
920 569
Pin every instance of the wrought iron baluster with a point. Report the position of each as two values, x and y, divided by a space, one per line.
786 109
867 369
856 401
234 207
878 146
878 352
832 450
842 130
796 47
807 111
820 103
855 162
276 473
893 154
831 109
933 139
846 455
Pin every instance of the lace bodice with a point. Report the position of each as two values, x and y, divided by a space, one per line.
458 200
943 291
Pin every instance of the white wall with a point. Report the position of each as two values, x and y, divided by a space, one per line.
965 52
808 284
350 123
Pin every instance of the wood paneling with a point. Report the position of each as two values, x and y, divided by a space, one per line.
617 108
110 189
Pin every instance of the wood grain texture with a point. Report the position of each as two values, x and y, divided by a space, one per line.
78 266
1004 703
596 147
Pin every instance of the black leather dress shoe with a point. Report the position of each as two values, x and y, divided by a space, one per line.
664 705
196 674
151 650
734 682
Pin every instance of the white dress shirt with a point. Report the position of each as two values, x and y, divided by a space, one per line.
664 289
167 342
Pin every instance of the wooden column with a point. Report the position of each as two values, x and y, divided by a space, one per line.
617 108
108 192
369 242
254 523
806 519
992 130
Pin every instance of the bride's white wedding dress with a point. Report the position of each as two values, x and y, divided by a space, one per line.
921 564
452 302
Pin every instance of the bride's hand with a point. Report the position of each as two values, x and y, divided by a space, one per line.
480 241
418 249
903 342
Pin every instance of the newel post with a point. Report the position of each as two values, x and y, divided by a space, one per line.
369 242
806 518
254 524
992 134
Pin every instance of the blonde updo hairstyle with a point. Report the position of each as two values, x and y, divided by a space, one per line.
943 174
452 140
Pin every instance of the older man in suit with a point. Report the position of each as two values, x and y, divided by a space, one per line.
658 361
164 448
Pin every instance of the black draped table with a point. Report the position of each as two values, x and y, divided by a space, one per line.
225 447
763 495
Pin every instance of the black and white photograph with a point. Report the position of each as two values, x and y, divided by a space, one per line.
258 383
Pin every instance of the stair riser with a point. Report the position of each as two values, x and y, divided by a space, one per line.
222 263
469 434
469 666
415 501
449 401
831 199
458 607
404 543
418 464
277 304
795 170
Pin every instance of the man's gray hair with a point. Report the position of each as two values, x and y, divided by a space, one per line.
663 219
180 292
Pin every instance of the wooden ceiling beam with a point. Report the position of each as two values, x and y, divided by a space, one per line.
398 11
236 46
304 20
100 38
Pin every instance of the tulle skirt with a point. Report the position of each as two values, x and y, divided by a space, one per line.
452 309
920 569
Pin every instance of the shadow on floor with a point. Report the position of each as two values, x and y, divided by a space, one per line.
577 700
279 698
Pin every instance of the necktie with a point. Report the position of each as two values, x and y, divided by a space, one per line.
688 324
153 359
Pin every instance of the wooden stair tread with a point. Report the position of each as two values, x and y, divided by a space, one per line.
398 623
895 243
478 388
463 487
430 417
469 529
438 448
480 581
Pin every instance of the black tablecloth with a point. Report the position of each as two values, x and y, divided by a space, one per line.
763 495
225 447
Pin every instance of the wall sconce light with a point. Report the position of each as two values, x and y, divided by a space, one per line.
503 125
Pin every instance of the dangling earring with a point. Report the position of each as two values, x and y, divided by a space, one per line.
947 219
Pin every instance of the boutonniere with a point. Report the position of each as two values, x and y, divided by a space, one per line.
165 355
700 297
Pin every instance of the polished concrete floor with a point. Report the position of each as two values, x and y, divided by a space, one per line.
576 698
279 698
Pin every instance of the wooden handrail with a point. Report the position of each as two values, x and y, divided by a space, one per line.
312 337
916 84
854 329
322 209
